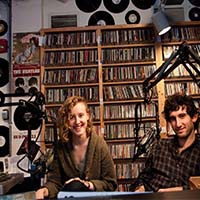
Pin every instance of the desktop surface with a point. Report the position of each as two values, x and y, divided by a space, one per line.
182 195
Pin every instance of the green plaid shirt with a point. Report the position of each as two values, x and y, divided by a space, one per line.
165 167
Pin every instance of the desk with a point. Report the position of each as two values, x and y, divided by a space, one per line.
183 195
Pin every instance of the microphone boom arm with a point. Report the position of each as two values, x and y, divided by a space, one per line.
162 72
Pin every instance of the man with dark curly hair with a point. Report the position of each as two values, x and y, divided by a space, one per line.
171 162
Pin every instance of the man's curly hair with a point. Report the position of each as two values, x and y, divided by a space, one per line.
174 102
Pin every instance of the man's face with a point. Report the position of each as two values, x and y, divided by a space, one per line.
182 123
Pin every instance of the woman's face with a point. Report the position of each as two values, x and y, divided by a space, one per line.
78 119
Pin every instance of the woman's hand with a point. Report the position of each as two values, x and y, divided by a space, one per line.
41 193
88 184
140 189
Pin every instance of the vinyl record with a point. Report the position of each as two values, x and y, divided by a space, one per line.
132 17
116 6
4 72
174 2
101 18
195 2
4 141
88 5
194 14
143 4
3 27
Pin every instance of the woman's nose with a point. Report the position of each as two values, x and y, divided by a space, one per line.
77 120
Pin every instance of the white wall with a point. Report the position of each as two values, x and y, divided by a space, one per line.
32 15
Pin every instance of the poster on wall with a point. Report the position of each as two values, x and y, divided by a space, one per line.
25 60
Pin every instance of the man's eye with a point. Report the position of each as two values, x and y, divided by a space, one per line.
182 115
171 119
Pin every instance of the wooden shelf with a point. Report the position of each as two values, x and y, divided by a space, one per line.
139 46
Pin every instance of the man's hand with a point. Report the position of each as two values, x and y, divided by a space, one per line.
170 189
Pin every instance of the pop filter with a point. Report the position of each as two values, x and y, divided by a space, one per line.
27 116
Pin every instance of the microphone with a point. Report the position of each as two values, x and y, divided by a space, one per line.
146 142
43 163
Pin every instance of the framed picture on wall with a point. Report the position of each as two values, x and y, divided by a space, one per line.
59 21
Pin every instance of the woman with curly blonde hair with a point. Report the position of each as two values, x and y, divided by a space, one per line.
67 106
83 161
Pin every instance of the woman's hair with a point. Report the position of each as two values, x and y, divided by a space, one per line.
63 115
174 102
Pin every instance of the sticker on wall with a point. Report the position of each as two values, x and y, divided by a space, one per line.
132 17
195 2
101 18
4 141
143 4
3 27
88 5
4 72
194 14
3 45
26 79
116 6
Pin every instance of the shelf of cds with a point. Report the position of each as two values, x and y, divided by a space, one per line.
180 80
107 65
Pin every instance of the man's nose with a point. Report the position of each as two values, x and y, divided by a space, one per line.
178 122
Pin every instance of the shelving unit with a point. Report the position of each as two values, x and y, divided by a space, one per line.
107 65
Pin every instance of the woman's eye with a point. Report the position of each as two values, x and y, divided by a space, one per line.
70 117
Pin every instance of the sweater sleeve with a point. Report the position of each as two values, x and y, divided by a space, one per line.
55 182
107 181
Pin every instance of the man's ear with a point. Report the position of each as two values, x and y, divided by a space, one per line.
195 118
